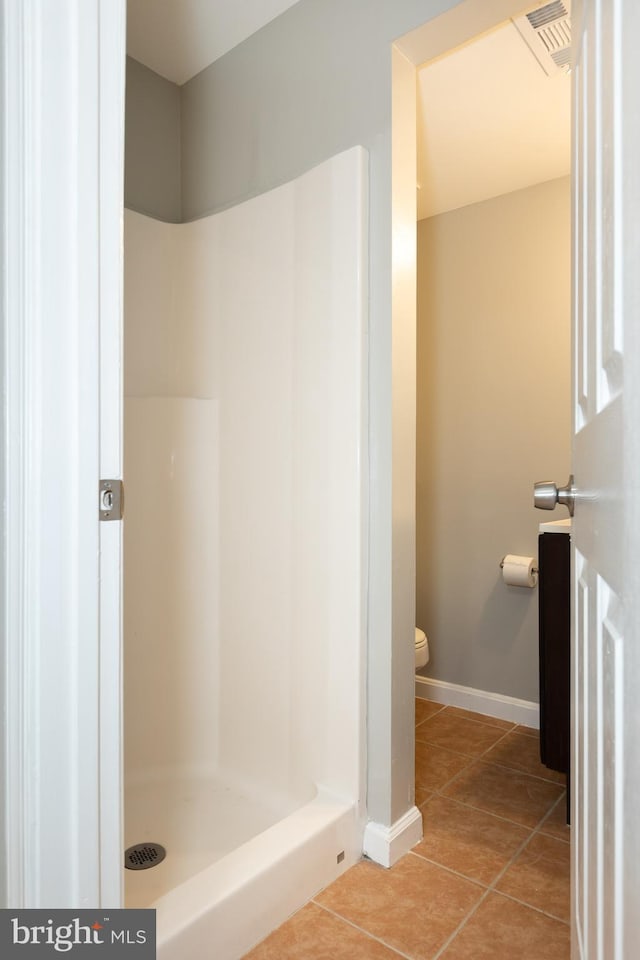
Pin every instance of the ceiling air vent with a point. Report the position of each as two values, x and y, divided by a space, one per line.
547 32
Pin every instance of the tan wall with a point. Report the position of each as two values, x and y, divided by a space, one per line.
493 416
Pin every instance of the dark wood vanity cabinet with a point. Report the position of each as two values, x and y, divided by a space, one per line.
554 586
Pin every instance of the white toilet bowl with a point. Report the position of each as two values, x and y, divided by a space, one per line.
422 649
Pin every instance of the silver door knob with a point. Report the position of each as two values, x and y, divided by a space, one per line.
546 495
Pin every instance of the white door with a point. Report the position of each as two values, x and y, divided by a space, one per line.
61 165
606 535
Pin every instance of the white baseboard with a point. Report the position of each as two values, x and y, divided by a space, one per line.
386 845
480 701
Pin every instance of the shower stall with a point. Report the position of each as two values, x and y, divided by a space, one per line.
245 556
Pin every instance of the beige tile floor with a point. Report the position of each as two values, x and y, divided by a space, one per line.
490 879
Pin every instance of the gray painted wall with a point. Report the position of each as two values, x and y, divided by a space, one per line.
310 84
493 416
152 144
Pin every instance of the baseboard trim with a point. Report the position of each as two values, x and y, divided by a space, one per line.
386 845
480 701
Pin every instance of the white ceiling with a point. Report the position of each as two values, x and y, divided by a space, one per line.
179 38
490 121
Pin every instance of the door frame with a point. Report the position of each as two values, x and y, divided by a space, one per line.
62 161
436 37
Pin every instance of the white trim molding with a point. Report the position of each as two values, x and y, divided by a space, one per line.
63 70
385 845
480 701
112 27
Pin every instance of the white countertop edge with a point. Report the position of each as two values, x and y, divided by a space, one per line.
556 526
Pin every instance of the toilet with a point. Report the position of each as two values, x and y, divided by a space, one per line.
422 649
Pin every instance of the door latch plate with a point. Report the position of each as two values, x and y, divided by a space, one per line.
111 499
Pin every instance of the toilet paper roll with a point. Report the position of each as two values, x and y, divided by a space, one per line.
519 571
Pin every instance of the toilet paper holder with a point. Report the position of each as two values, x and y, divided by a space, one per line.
533 569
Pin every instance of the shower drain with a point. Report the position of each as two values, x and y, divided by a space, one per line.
144 855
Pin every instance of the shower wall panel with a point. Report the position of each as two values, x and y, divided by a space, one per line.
171 657
246 336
